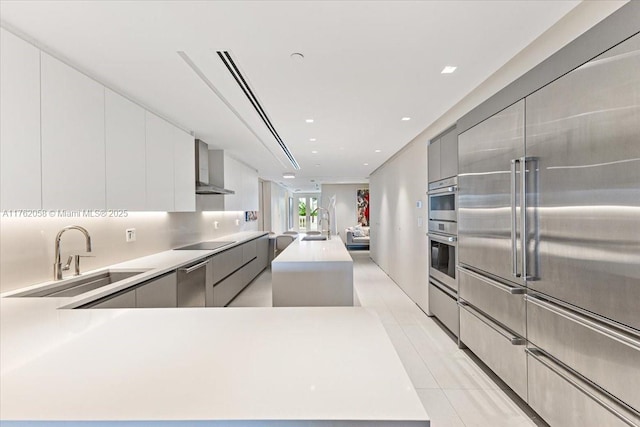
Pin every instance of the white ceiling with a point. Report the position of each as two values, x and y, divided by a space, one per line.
367 64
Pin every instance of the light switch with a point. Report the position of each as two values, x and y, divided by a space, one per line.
216 225
130 234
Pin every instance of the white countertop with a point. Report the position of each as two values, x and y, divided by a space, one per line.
299 250
153 265
206 364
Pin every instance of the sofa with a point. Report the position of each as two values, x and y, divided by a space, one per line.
357 237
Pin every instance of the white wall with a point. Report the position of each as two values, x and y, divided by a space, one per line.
346 214
398 226
398 245
274 207
27 244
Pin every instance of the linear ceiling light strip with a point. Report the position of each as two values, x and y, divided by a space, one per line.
241 81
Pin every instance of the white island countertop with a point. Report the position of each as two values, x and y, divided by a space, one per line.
322 366
312 273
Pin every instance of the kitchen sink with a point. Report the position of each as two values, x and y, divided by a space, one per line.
311 238
80 284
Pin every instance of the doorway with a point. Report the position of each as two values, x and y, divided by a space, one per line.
307 213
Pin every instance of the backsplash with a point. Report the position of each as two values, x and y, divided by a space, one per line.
27 244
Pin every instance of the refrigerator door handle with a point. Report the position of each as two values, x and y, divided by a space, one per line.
523 215
514 248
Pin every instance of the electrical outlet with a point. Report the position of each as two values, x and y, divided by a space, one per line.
237 222
130 234
216 225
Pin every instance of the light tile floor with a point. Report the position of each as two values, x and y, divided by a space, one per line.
454 387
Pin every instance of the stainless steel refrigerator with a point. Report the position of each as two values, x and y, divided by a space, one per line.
549 243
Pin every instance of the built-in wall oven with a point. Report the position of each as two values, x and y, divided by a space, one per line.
442 200
443 248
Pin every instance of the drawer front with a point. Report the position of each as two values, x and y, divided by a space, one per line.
226 290
227 262
158 293
498 348
445 308
502 302
563 399
249 251
607 356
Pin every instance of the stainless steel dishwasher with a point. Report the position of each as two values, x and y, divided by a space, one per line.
192 283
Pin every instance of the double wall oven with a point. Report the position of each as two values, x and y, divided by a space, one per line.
443 247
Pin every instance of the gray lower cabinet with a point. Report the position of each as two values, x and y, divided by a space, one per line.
244 262
124 300
227 289
158 293
225 263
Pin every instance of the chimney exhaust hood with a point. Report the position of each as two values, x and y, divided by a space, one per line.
203 185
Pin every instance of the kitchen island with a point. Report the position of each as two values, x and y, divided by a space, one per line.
313 273
316 366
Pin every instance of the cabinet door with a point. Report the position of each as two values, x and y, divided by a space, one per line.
73 148
262 251
433 156
233 181
125 300
19 124
158 293
449 154
159 164
250 190
125 152
184 172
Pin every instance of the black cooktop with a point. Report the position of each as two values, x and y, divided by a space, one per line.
204 246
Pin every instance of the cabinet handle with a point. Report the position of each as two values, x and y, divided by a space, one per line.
512 338
513 290
194 268
582 386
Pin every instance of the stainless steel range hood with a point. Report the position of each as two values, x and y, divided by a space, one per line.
203 184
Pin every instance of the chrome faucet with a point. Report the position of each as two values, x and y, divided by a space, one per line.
57 266
328 220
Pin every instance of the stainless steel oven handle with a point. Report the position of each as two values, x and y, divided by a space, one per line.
523 214
194 267
599 397
513 290
514 249
441 238
512 338
443 190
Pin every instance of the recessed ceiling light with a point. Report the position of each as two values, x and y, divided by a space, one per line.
297 57
312 139
366 164
317 164
405 119
314 152
309 120
378 151
448 69
288 175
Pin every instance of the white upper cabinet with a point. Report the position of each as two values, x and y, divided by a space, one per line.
19 124
159 164
184 159
126 153
233 181
250 190
73 147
